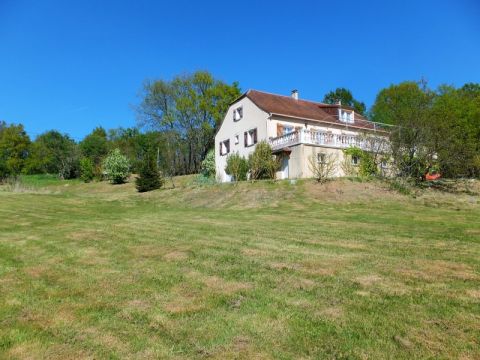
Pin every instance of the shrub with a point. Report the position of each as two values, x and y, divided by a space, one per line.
87 169
262 164
116 167
237 167
367 166
149 177
208 164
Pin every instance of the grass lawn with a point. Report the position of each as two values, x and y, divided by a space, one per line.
254 271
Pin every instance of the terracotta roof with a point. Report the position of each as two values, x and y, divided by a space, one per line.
303 109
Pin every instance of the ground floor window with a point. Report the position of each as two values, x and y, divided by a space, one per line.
321 158
355 160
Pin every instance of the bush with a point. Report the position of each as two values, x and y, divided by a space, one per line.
149 177
322 167
262 164
237 167
87 169
367 166
116 167
208 164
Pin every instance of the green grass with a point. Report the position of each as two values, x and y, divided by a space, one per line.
266 271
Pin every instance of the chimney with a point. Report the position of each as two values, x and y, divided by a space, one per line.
295 94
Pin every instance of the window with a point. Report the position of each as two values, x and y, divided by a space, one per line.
321 158
225 147
238 113
237 139
346 116
287 130
250 137
355 160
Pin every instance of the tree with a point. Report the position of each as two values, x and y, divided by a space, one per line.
149 177
187 109
237 167
53 153
95 147
407 105
455 130
262 164
87 169
208 164
322 166
346 98
14 147
116 167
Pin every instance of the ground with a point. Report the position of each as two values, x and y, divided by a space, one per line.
254 271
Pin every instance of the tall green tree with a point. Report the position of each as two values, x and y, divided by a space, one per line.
408 106
187 109
95 146
53 153
14 149
455 130
345 96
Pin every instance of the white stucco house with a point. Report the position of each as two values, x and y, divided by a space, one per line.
296 129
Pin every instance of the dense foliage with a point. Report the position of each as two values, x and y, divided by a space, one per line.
237 167
262 164
208 164
14 146
367 165
87 169
187 110
434 129
149 177
116 167
53 153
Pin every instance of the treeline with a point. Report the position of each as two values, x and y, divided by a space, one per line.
55 153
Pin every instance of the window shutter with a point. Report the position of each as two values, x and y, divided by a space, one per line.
279 129
255 136
227 144
220 147
245 138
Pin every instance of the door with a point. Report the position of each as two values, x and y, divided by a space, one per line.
284 167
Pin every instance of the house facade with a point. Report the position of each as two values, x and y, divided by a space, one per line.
298 131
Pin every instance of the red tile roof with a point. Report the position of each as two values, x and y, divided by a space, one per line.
303 109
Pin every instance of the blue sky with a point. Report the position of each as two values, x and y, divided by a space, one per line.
74 65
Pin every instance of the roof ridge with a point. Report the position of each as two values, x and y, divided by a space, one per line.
290 98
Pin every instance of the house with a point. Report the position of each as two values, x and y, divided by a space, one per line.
297 130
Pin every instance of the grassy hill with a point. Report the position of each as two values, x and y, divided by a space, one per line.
265 270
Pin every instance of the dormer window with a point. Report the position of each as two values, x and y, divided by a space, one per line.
346 116
238 113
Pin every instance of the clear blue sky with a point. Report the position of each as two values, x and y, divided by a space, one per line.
73 65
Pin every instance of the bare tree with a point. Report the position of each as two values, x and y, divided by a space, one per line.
323 166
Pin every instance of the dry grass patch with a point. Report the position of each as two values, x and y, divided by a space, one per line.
432 270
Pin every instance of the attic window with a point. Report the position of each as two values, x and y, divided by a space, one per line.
346 116
238 113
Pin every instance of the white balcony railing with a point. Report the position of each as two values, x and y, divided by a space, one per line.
327 139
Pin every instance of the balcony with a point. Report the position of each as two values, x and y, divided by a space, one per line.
326 139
